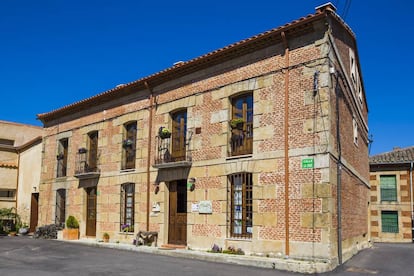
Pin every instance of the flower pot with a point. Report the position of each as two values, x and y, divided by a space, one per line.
70 234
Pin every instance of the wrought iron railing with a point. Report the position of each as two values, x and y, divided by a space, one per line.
84 166
174 149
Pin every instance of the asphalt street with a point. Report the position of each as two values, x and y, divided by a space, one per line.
26 256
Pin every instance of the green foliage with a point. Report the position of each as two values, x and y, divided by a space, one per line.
105 235
9 219
236 122
72 223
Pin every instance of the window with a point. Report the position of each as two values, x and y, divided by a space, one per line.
388 185
60 212
10 194
355 131
62 157
241 141
241 205
356 81
127 207
179 135
389 221
93 151
129 146
6 142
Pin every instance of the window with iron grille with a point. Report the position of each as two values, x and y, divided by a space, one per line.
60 211
241 139
129 146
388 185
241 198
389 221
8 194
62 157
127 207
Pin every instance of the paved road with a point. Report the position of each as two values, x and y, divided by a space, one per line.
25 256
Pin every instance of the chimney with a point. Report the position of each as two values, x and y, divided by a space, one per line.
326 7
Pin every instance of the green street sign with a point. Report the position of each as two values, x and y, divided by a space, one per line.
307 163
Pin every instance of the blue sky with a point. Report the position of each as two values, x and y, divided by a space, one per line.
56 52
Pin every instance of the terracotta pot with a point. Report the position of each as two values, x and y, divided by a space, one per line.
70 234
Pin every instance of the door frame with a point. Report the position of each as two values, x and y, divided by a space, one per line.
90 230
177 212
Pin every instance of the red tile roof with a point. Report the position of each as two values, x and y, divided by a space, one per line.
397 156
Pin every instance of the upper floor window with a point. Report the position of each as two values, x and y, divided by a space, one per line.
356 81
355 131
179 135
127 207
129 146
388 185
93 151
241 225
62 157
241 123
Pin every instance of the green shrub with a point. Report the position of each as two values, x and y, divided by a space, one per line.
72 222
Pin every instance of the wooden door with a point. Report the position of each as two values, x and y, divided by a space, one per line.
177 225
34 211
91 211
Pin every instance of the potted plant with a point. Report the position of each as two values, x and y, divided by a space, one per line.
60 156
105 237
164 133
71 231
127 143
237 123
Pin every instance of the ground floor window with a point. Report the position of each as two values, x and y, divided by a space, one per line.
127 207
60 211
389 220
241 198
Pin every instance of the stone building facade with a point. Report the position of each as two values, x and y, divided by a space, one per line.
248 146
391 179
20 165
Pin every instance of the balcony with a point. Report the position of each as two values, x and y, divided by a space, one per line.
86 166
172 152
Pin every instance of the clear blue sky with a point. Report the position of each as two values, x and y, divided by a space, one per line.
56 52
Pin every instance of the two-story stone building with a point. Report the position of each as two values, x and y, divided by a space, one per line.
391 179
260 145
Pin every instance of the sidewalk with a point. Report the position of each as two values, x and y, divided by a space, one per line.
301 266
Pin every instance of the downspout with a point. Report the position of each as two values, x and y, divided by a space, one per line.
17 178
286 134
151 100
338 177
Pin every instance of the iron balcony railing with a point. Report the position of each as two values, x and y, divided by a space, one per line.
86 165
173 151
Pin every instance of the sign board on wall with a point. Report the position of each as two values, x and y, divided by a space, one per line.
205 207
307 163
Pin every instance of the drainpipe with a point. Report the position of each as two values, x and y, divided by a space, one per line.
338 175
151 100
286 133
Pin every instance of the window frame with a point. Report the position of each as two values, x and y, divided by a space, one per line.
390 224
129 151
93 144
241 138
241 205
62 158
386 191
127 192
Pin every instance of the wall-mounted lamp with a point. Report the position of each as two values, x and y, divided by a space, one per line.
191 184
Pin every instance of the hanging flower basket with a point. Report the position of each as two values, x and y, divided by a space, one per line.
237 123
164 133
127 143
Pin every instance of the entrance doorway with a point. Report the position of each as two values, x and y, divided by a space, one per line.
91 211
34 211
177 221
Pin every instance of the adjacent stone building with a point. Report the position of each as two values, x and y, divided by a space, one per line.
391 179
20 165
255 145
